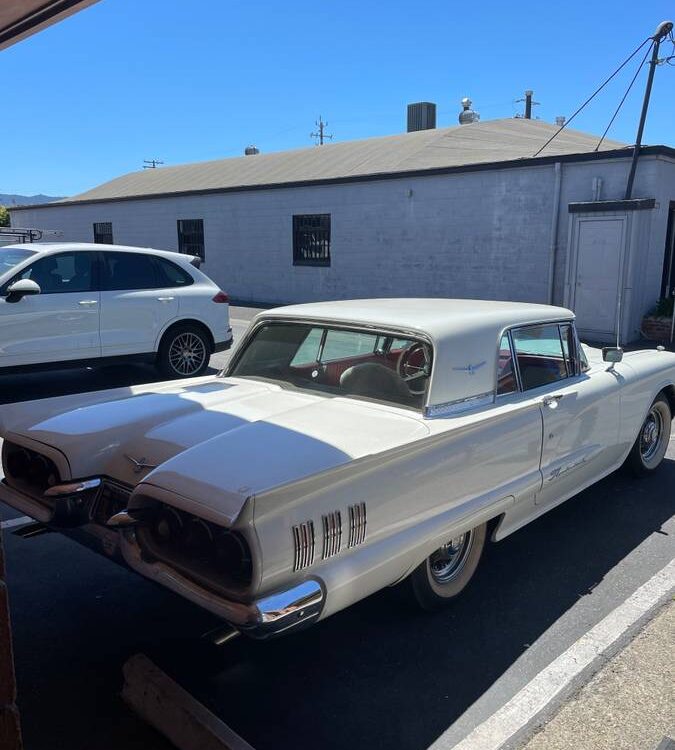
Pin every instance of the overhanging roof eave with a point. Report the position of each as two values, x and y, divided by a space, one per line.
586 156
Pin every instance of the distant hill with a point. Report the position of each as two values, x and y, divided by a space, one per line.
10 199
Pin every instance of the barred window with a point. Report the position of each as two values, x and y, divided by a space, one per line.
103 232
191 237
311 240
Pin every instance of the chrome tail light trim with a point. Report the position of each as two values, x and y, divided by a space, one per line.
303 543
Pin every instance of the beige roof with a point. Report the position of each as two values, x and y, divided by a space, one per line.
474 144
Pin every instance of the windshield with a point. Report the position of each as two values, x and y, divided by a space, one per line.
358 363
12 256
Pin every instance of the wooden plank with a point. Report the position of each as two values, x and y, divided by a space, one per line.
10 729
170 709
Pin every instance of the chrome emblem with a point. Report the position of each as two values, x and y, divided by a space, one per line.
140 464
471 369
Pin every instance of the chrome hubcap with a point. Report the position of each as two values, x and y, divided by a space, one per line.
187 353
650 437
446 563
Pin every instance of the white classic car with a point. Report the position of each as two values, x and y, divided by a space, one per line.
348 446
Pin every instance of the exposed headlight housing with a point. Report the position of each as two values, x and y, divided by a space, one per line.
27 470
213 556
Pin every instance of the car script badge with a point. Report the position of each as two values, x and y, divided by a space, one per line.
140 464
471 369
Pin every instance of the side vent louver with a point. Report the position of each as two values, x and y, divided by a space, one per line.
332 534
357 524
303 542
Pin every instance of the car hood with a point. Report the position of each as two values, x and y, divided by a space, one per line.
229 434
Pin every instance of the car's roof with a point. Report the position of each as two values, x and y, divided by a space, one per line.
56 247
437 318
465 334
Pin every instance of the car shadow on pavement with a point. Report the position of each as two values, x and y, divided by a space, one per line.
382 674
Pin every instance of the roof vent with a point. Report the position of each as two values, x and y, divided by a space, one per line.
560 120
467 115
251 150
421 116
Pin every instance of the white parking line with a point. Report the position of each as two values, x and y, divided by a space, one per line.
12 522
551 681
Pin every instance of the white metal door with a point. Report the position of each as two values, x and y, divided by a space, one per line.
581 433
599 254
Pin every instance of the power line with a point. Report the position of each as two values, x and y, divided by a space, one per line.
596 92
321 135
623 99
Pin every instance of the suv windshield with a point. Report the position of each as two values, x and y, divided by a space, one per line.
359 363
12 256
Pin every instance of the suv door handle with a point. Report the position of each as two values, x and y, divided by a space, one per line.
553 401
165 299
87 302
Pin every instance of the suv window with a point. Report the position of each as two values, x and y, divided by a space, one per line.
540 355
129 271
169 274
62 273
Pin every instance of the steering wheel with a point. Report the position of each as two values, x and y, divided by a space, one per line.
413 365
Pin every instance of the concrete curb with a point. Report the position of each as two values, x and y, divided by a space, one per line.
170 709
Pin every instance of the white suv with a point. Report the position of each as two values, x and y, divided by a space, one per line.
63 304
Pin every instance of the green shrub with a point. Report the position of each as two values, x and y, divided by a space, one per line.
663 308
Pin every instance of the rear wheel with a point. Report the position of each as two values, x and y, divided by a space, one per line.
446 572
183 352
652 441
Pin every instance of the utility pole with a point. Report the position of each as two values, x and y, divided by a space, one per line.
528 104
662 31
151 163
321 134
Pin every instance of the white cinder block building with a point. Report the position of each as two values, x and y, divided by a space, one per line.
458 212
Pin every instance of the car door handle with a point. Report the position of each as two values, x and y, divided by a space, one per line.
165 299
553 401
88 302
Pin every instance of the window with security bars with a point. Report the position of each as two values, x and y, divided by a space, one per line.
191 237
103 232
311 240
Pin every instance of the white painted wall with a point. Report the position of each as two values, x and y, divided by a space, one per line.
481 234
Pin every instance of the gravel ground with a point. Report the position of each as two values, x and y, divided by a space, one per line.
629 704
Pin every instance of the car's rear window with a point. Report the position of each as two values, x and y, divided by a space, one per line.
12 256
339 361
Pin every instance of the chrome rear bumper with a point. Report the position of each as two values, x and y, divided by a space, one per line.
266 617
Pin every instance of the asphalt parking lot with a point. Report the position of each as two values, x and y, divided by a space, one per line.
379 675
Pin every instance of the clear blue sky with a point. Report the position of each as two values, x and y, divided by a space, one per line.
127 80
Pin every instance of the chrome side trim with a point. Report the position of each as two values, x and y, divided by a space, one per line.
332 534
459 406
303 543
72 488
357 524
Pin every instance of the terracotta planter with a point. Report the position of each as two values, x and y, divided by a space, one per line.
656 329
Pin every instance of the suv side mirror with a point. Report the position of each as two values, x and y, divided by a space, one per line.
20 289
612 354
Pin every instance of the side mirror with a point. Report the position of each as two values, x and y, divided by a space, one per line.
612 354
20 289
